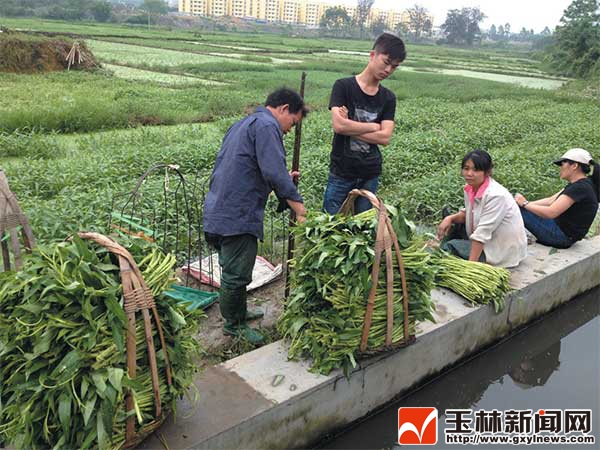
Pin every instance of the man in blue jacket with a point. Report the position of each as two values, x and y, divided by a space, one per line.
250 164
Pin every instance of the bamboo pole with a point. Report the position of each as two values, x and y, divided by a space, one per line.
295 168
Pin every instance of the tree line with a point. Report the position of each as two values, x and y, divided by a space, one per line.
337 22
573 49
132 11
98 10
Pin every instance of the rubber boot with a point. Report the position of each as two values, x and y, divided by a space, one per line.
254 313
232 304
233 310
242 330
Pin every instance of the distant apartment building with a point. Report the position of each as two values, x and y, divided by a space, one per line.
239 8
397 17
272 12
299 12
195 7
218 8
391 18
310 13
375 15
351 10
289 11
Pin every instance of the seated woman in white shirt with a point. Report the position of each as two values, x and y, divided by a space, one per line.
490 229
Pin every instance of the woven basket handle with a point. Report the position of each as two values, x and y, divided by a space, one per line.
138 297
385 240
347 207
11 218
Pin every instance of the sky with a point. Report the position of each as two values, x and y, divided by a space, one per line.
535 14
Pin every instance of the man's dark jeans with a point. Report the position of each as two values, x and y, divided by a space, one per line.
338 189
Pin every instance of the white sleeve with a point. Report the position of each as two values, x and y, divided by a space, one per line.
492 215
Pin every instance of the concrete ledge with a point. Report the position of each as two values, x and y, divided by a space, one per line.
241 409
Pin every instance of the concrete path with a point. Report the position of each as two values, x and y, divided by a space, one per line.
260 400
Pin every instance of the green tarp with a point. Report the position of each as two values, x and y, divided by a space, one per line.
192 297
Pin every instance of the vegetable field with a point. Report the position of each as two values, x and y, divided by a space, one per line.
70 141
421 166
130 73
137 55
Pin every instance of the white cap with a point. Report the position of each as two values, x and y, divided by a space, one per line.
576 155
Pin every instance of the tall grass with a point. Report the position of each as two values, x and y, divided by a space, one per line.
30 145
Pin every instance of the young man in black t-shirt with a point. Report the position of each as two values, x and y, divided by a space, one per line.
362 112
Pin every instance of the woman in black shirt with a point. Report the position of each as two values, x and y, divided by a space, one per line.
566 217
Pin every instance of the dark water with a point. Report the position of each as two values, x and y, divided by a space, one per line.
553 364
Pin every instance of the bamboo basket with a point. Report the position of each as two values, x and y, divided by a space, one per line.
386 242
11 220
137 298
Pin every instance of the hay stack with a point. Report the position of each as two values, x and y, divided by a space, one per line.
30 53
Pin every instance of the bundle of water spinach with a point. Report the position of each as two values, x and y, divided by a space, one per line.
477 282
330 283
63 372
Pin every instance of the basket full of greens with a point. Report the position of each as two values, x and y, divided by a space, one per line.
343 305
93 355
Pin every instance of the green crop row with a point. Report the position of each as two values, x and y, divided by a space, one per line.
421 165
81 102
198 77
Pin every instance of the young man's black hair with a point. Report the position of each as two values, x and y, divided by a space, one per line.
391 45
285 96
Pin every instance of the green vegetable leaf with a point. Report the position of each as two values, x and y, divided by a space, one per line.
106 267
176 317
115 375
101 432
64 412
116 309
99 380
88 409
67 367
84 386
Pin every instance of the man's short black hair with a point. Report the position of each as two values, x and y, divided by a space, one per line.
391 45
285 96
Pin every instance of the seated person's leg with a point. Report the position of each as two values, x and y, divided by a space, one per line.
458 231
460 248
546 231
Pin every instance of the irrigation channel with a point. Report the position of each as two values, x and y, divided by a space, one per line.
552 364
